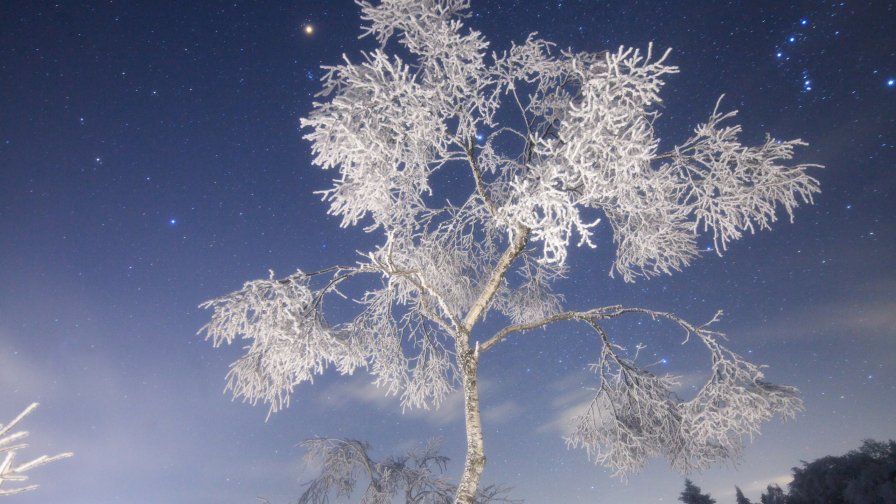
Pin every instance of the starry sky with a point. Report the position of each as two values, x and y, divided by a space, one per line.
150 159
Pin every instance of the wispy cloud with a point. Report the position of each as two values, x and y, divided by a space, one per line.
502 412
872 320
570 399
349 392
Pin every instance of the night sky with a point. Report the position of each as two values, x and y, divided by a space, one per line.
150 159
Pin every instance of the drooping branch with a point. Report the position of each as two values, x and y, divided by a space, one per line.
291 339
636 415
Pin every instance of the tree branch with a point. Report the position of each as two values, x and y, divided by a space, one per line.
606 312
491 287
480 186
9 472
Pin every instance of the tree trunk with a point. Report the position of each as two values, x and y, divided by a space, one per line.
469 364
475 461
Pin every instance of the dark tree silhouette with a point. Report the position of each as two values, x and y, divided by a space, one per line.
866 475
692 494
773 495
740 496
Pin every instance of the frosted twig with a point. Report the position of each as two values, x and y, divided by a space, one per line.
9 471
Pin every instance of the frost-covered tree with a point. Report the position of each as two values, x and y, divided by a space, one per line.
541 146
416 477
10 444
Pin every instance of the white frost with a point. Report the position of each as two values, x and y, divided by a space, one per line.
543 146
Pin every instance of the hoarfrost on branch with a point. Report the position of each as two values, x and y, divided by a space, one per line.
10 444
544 146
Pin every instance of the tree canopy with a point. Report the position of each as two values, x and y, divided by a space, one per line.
545 145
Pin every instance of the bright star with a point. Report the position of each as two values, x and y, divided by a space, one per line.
891 83
480 137
172 221
804 22
791 39
779 55
309 29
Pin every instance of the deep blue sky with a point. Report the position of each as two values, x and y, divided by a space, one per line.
150 159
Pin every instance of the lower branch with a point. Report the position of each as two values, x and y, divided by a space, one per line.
636 415
606 312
